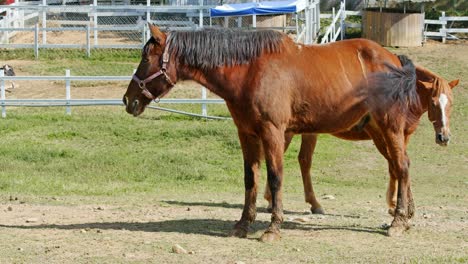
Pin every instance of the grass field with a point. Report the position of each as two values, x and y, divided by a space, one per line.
100 186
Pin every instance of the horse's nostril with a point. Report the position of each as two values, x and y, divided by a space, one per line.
135 106
440 137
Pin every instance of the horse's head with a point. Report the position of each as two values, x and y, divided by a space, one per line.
154 77
438 100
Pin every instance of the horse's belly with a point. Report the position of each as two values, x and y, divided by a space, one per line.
326 121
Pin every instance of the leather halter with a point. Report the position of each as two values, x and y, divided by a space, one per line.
162 71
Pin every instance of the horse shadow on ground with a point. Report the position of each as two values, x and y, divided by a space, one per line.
225 205
209 227
240 206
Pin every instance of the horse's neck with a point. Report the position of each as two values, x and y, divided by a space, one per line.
219 81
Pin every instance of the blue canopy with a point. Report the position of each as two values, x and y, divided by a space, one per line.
259 8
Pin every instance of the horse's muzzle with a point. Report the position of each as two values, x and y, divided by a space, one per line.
132 107
442 139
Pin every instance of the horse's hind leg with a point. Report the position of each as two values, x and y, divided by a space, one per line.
306 153
267 194
273 145
251 150
305 157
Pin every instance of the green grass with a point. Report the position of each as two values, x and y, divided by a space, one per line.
104 151
55 61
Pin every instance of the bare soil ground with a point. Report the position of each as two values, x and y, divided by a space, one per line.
143 229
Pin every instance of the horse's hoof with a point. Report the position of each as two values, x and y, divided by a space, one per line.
391 211
318 210
239 232
395 231
269 236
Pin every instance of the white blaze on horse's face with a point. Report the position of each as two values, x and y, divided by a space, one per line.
440 117
443 100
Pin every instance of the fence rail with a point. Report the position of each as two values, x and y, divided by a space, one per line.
68 102
443 31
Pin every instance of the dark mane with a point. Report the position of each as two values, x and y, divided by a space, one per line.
209 48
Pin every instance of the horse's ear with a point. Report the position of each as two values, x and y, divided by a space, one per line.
423 74
157 34
421 84
454 83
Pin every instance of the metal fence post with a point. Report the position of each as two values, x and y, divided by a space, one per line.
44 22
2 88
204 108
307 24
200 18
36 41
342 19
148 14
67 91
88 41
95 17
6 21
443 30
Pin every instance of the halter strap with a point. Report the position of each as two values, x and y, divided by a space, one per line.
162 71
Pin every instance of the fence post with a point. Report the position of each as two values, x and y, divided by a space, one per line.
95 17
204 109
67 91
332 35
2 88
443 30
342 19
44 22
200 18
88 41
307 23
148 14
317 15
6 21
36 41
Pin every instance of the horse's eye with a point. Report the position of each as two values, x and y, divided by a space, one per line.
145 60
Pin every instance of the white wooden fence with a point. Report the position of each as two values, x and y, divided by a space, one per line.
445 29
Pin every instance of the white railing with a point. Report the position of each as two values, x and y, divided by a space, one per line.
334 31
445 29
68 102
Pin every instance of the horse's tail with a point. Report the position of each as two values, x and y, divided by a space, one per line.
394 91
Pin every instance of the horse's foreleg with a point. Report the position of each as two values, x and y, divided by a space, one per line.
306 153
379 141
400 161
251 149
411 206
267 194
273 145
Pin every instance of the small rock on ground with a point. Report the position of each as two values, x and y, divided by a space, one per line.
32 220
178 249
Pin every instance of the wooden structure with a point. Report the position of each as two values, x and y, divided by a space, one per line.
393 27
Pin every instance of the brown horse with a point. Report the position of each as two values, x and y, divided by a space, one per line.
435 94
273 86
